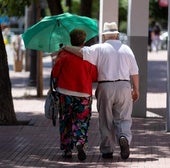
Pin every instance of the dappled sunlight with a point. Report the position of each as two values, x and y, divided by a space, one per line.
156 100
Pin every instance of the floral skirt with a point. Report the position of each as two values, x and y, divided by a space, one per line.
74 117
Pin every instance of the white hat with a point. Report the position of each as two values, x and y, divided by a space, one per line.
110 28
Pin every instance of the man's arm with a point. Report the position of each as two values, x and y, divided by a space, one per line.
135 87
75 50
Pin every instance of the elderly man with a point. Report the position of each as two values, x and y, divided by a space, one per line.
118 88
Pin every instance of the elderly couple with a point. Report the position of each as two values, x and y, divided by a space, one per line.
111 64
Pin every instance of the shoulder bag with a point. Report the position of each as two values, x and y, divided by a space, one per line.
51 106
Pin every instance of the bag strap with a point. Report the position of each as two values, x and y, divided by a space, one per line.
52 89
52 83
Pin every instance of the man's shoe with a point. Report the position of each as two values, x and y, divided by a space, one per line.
124 147
107 155
67 154
81 153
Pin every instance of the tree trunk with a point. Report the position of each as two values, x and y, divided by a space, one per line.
86 6
55 7
7 113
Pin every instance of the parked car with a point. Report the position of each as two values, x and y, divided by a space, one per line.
164 41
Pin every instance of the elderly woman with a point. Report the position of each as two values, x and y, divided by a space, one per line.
74 84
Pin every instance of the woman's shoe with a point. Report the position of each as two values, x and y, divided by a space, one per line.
81 153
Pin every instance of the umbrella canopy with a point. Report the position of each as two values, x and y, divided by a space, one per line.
51 31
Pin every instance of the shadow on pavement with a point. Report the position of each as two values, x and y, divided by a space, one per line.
157 76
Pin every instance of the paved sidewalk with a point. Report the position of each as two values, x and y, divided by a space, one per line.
37 144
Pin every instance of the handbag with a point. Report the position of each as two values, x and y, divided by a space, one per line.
51 106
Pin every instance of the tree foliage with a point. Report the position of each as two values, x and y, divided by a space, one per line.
158 14
13 7
123 7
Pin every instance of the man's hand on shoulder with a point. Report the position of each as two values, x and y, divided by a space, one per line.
74 50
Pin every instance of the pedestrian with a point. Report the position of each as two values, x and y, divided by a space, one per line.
118 88
156 37
150 39
18 52
74 83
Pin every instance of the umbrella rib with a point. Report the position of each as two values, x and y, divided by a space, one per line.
51 37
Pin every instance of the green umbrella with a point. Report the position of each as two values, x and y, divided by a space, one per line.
51 31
